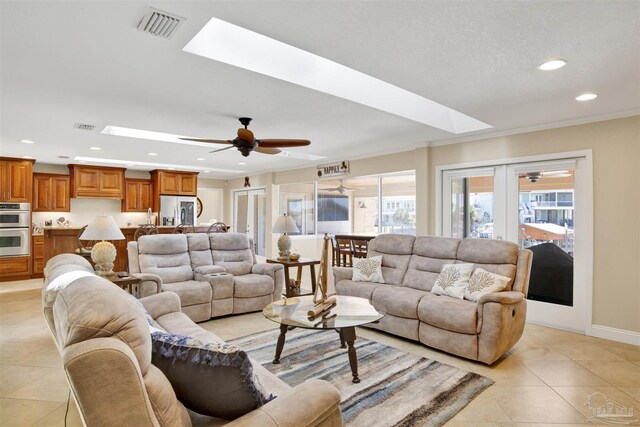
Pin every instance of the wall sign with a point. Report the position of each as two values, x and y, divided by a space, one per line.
334 169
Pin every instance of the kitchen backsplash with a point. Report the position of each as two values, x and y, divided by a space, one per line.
83 211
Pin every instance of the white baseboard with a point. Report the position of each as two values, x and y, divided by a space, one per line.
615 334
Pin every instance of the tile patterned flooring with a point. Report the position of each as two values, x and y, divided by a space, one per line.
544 380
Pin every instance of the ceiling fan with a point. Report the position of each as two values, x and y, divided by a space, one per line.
535 176
245 142
341 188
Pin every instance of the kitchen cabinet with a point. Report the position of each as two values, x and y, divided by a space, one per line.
15 268
51 192
137 195
97 181
15 179
175 183
37 255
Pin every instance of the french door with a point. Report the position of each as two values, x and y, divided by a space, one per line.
544 207
250 216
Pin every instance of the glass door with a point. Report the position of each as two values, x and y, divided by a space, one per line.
250 216
470 204
544 205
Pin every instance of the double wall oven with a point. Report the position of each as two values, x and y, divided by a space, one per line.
15 229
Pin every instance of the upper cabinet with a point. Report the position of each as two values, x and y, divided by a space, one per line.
175 183
97 181
137 195
15 179
51 192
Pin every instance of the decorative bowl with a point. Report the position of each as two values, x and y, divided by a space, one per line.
294 257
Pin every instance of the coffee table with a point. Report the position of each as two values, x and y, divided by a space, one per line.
348 313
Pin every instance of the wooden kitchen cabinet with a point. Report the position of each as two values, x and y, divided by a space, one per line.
97 181
15 179
51 192
137 195
15 268
37 255
175 183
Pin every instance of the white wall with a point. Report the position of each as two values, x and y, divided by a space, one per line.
212 205
84 211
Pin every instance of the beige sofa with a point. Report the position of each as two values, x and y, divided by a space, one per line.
105 345
482 330
214 274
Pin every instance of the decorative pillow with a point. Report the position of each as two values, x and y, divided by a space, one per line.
483 282
368 269
215 379
452 280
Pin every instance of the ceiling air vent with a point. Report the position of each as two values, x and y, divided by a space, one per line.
159 23
84 126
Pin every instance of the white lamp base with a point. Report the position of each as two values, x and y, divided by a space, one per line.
284 247
103 255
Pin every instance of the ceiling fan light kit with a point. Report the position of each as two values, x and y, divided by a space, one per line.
246 142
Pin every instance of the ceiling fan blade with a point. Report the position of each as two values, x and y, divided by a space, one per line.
267 150
221 149
283 142
212 141
246 135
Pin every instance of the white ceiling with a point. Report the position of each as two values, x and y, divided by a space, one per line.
85 61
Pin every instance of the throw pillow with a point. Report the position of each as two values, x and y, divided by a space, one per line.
215 379
483 282
368 269
452 280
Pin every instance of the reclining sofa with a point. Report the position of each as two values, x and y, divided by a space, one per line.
214 274
105 344
482 330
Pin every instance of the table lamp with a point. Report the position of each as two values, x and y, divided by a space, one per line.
284 224
103 253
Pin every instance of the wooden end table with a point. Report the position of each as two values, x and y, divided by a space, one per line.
301 262
126 283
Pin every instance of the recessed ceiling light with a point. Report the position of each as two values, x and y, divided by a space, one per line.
152 154
95 148
224 42
206 171
586 97
201 158
27 141
242 163
27 157
553 64
130 163
171 169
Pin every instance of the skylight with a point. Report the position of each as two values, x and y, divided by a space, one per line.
237 46
132 163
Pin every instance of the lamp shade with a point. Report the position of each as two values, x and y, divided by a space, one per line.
102 228
284 224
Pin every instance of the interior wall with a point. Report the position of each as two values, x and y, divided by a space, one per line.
615 145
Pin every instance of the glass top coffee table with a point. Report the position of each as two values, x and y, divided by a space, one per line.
343 317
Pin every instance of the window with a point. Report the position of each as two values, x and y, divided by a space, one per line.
297 201
399 192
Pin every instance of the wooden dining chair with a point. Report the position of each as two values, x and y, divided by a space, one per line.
360 247
184 229
217 227
345 252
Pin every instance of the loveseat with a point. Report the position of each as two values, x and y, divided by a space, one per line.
482 330
214 274
105 344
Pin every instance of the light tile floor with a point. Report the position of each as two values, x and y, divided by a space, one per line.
544 380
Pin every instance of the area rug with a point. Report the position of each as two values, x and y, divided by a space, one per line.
396 388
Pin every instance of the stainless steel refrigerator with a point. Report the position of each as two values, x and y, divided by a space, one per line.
175 210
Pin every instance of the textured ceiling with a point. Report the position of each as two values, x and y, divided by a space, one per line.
69 62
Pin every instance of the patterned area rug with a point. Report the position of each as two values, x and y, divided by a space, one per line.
396 388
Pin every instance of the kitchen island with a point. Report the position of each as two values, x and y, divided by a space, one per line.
61 240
